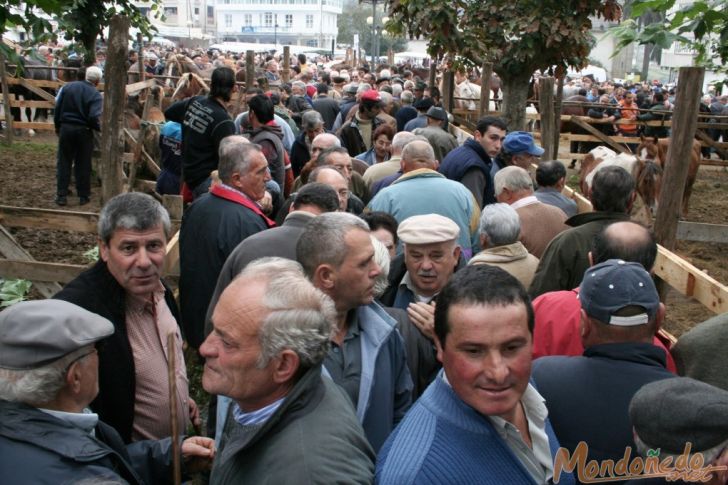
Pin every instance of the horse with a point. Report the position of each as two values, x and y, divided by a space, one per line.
573 106
647 175
655 150
26 94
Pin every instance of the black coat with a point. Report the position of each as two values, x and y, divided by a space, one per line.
97 291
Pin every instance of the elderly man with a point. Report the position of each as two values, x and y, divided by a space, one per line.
215 224
540 223
47 379
312 125
520 150
442 141
125 287
500 229
431 256
472 163
77 113
672 414
480 421
378 171
421 190
367 357
620 313
337 157
271 331
551 179
566 257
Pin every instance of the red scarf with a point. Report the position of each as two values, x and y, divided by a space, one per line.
233 196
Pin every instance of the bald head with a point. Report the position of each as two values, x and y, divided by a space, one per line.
328 175
625 240
322 142
401 140
418 154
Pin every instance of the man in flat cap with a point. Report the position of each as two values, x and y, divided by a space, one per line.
669 414
588 396
125 287
431 255
48 377
442 141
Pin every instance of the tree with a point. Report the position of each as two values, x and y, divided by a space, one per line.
81 20
700 25
518 37
355 22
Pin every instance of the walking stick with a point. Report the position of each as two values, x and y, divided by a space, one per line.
176 452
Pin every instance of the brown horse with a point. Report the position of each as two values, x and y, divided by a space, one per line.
655 150
647 175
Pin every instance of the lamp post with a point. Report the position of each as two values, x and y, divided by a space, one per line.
371 22
275 35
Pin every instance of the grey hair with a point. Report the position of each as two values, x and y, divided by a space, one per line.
363 87
311 119
396 89
301 318
500 224
299 84
512 178
407 97
386 97
381 257
322 241
37 386
336 142
418 151
401 139
235 155
132 211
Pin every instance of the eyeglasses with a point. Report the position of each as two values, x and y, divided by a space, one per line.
82 356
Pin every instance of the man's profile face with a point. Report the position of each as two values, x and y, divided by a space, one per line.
342 163
232 350
355 277
431 265
311 134
491 140
135 258
252 183
487 356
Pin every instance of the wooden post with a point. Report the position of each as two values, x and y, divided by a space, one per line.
140 62
249 69
433 73
684 124
558 103
390 57
448 88
485 91
286 74
6 103
172 379
112 134
548 120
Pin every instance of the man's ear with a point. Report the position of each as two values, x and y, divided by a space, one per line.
659 317
285 366
440 348
590 257
73 377
632 198
585 326
456 253
324 277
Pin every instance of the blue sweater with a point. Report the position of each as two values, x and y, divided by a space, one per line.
443 440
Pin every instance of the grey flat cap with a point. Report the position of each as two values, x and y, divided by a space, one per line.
669 413
37 333
427 229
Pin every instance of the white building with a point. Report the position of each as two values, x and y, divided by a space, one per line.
311 23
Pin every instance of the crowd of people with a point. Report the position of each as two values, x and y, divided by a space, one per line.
373 302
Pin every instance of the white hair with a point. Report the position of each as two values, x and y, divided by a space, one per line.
381 257
500 224
512 178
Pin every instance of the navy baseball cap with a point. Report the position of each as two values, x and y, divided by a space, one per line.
615 284
521 142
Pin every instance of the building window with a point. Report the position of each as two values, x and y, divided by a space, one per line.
289 20
309 21
170 11
197 11
228 21
268 19
248 19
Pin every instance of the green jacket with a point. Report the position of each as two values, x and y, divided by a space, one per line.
313 437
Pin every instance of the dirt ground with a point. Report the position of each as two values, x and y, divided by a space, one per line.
27 179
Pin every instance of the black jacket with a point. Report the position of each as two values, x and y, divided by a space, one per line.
97 291
79 103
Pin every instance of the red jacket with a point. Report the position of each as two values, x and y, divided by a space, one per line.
557 330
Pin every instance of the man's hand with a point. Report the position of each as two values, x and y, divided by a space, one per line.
266 203
423 316
194 413
198 453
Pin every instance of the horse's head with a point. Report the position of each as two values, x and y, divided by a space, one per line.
649 183
648 150
190 85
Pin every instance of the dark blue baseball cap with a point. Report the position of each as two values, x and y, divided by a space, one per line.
615 284
521 142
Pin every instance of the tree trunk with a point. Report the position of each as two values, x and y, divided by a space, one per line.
515 94
646 62
112 130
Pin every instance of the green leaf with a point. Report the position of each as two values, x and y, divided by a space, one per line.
13 291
